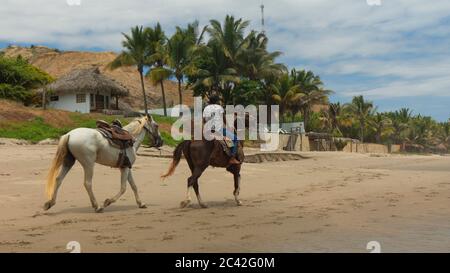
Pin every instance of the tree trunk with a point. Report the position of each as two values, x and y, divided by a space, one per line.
269 112
336 126
378 137
44 99
306 119
163 97
362 132
179 92
281 108
143 92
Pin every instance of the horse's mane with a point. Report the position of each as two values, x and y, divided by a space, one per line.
140 126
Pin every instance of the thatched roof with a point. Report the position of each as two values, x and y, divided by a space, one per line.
88 80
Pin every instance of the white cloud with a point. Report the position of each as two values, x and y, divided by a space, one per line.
436 86
402 40
406 69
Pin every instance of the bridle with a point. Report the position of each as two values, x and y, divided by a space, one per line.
149 131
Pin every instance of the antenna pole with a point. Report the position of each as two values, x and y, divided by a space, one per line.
262 17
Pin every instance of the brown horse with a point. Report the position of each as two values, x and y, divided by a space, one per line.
199 155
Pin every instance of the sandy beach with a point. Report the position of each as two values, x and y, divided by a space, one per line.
327 202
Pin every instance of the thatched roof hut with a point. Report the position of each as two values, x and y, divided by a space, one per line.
88 80
84 90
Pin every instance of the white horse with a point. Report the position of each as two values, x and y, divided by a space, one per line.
88 146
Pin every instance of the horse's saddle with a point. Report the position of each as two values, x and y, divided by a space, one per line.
117 137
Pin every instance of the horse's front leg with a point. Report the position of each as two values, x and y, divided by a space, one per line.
135 191
124 172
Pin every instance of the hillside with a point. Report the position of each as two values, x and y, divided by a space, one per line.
58 63
34 124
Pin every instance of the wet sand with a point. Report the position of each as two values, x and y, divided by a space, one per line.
329 202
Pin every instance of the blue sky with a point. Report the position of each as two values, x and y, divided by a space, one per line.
396 54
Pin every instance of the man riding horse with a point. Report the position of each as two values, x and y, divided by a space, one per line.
213 113
200 154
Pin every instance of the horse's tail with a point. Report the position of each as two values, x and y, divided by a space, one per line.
58 160
176 159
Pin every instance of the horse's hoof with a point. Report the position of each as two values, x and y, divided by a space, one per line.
107 203
203 206
48 205
142 206
185 203
99 210
239 202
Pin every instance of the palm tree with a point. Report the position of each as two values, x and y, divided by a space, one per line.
215 70
229 36
179 49
286 93
158 57
361 111
255 62
158 75
212 74
136 53
333 117
381 125
314 93
444 135
421 131
228 57
400 120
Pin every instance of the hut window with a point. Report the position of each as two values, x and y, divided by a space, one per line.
81 98
54 98
91 96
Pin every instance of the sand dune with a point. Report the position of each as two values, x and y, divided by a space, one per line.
329 202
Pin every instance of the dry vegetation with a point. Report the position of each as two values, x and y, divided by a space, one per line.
14 112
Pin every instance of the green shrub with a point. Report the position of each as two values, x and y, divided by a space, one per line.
18 78
18 72
14 92
340 144
247 92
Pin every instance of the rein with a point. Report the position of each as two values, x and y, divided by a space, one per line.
135 132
